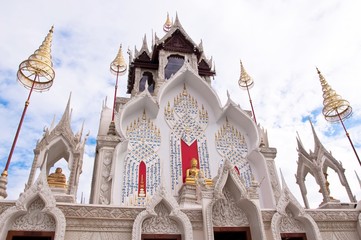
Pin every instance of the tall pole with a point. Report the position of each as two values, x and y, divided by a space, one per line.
117 67
335 108
349 139
115 93
39 64
27 102
250 101
246 82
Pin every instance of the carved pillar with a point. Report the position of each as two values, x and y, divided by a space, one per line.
207 196
270 155
102 179
33 169
301 183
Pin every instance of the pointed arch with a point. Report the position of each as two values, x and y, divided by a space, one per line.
228 178
175 214
142 178
38 200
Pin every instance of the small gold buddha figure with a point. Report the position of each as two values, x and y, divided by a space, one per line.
141 191
57 179
193 174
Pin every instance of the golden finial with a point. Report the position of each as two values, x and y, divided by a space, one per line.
184 90
334 107
168 24
245 81
118 66
143 117
39 64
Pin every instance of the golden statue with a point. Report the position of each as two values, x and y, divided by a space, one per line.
141 191
193 175
57 179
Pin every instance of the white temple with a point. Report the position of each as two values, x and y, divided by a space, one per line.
144 186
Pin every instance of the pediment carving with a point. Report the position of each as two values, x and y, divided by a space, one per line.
227 213
161 223
178 43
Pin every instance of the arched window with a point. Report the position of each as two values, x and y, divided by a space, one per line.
142 180
175 62
147 78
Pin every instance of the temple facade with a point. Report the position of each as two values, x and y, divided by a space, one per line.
174 163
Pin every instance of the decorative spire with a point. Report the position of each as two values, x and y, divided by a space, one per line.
39 64
334 107
118 66
246 82
168 24
36 73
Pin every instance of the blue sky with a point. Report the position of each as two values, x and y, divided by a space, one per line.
280 44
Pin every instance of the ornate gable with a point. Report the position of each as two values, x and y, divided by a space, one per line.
179 43
143 57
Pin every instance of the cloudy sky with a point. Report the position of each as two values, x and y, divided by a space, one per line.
280 44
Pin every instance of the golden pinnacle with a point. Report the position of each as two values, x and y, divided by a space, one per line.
245 81
37 71
168 24
118 66
334 107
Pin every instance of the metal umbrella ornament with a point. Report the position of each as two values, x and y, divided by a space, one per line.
246 82
335 108
168 24
118 68
36 74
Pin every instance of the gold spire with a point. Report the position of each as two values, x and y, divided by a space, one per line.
334 107
37 71
245 81
118 66
168 24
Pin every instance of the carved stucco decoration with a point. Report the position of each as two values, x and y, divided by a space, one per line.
35 219
291 217
104 196
289 224
273 177
228 178
161 223
60 138
34 207
93 212
227 213
176 216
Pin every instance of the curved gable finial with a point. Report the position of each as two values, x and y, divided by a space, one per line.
227 171
40 190
162 196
